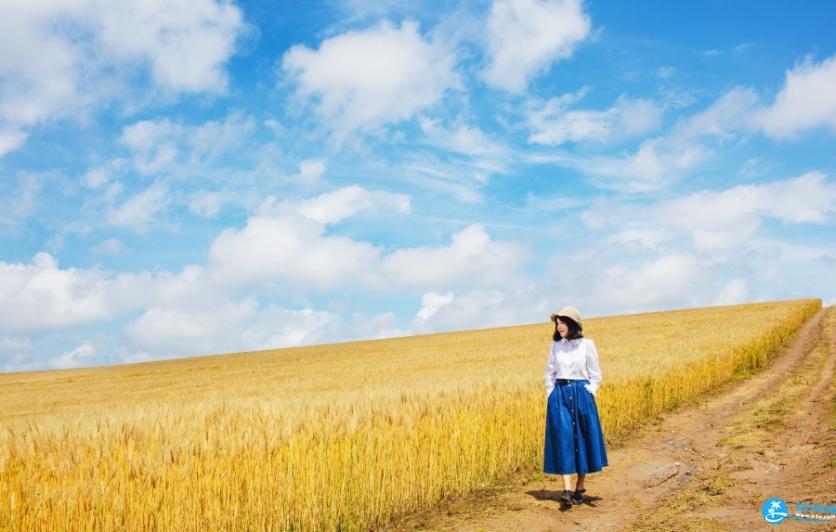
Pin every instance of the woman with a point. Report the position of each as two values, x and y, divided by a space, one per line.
574 440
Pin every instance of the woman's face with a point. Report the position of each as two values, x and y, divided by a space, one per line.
562 328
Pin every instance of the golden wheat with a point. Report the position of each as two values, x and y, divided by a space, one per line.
341 436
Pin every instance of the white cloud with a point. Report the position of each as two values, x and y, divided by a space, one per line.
461 138
183 44
721 220
518 302
165 146
364 79
41 296
730 114
230 326
60 59
472 256
167 331
10 140
310 170
431 302
331 207
664 282
141 210
153 143
807 101
291 248
288 242
655 164
705 248
200 308
553 124
525 37
74 358
716 222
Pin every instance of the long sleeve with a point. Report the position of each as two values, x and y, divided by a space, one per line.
551 371
593 367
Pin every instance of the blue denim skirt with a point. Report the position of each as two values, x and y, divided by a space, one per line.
574 439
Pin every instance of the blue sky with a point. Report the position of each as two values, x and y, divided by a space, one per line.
195 176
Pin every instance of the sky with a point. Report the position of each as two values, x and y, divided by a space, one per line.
186 177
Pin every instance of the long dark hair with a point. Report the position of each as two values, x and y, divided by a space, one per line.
575 330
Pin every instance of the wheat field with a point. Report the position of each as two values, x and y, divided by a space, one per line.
341 436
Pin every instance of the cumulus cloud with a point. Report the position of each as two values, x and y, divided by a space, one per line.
664 282
292 248
206 308
807 101
42 296
717 219
60 59
364 79
704 248
431 302
230 326
720 220
525 37
289 242
471 256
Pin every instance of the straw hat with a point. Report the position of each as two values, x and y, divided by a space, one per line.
568 312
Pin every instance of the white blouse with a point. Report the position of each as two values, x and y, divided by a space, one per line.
573 359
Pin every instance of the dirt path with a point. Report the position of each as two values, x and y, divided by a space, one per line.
705 467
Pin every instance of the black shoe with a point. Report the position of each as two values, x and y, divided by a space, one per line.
577 497
566 497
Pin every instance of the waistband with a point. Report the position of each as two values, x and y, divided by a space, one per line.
571 381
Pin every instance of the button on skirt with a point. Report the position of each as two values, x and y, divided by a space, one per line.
574 439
